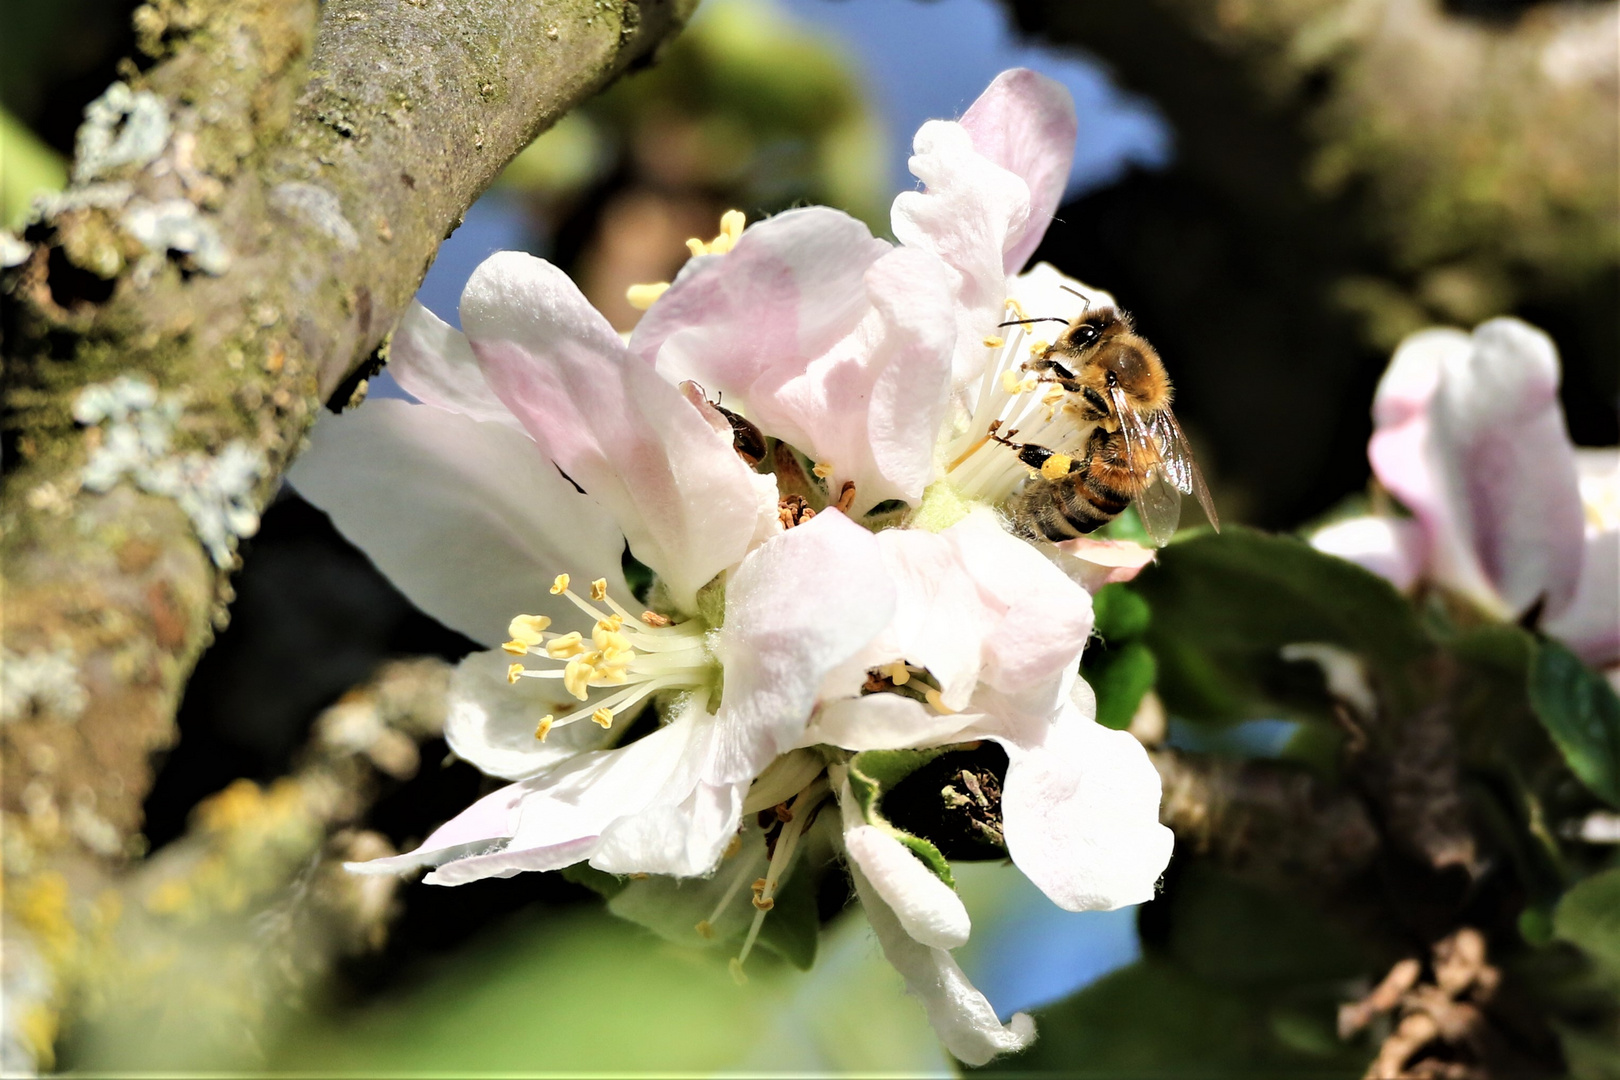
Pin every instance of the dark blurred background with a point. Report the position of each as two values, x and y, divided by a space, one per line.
1278 192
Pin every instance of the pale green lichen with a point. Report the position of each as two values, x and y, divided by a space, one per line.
41 680
175 225
122 128
317 207
215 491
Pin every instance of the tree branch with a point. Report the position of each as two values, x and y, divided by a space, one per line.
248 217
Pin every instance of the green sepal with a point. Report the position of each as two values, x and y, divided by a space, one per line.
1582 714
873 773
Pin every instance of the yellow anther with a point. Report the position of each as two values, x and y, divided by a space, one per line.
642 297
528 628
737 975
759 885
937 700
1056 467
638 877
764 903
731 226
1016 308
1053 395
516 648
705 929
514 673
577 678
1012 384
822 469
561 648
994 341
599 589
612 622
560 585
1039 346
603 717
696 246
652 618
543 728
898 673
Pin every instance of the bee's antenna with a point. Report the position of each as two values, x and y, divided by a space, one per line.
1078 293
1043 318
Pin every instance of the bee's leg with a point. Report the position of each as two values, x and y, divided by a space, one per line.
1049 463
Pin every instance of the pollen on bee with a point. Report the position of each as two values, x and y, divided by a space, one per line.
599 589
543 728
1039 346
514 673
604 717
1056 467
559 585
642 297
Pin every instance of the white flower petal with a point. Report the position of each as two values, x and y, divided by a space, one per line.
434 363
1506 472
1026 123
969 209
1591 624
960 1015
640 808
800 605
687 504
467 518
485 824
928 910
491 721
1390 547
882 722
1081 815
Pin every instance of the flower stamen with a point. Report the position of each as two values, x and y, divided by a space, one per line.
799 815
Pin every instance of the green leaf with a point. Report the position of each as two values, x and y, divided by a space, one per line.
1225 604
1588 917
1582 714
1120 614
872 773
1121 677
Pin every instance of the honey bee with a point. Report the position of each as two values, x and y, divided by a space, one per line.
1132 448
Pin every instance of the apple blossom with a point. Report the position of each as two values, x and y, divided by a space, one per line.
1506 512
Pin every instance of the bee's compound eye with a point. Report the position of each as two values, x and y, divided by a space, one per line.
1085 335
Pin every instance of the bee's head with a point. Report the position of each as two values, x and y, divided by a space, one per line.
1091 330
1108 348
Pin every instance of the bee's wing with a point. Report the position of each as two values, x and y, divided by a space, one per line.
1180 465
1157 498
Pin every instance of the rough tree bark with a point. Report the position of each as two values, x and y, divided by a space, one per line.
248 216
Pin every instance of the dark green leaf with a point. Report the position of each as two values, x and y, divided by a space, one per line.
1225 604
1119 613
1582 714
1121 676
1588 917
872 773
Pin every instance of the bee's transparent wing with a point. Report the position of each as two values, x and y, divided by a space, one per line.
1156 495
1180 465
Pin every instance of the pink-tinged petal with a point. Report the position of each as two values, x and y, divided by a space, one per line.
927 909
1400 451
1081 813
491 721
486 824
941 620
800 605
882 722
434 363
1591 624
1095 563
687 504
1390 547
824 337
792 287
961 1016
468 518
1506 473
966 213
1025 123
